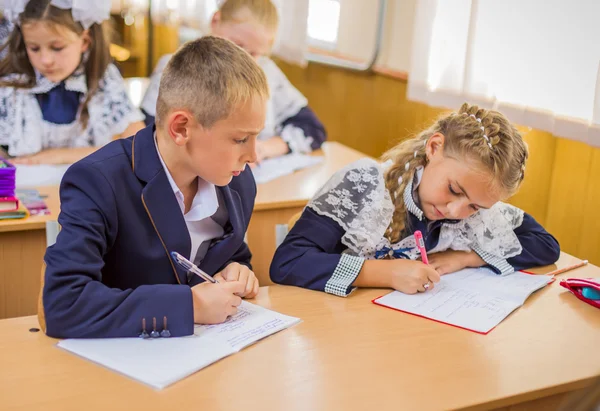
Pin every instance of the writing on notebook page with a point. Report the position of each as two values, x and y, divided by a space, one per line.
475 299
249 325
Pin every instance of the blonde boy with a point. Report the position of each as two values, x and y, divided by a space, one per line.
180 186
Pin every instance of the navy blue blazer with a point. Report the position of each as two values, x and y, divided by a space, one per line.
111 264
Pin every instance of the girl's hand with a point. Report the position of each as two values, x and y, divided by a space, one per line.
406 276
451 261
410 277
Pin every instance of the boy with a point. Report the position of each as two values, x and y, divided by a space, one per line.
180 186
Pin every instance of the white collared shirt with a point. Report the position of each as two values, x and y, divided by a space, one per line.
205 204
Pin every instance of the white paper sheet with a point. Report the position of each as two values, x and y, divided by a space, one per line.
162 361
273 168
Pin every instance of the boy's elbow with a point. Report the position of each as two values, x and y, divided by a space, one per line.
60 321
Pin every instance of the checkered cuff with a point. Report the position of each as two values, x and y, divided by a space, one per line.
499 264
344 275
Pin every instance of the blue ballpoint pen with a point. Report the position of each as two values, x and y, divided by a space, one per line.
189 266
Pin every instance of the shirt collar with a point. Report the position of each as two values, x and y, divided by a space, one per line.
75 82
410 192
205 202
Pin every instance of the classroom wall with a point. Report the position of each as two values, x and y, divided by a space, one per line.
371 113
358 26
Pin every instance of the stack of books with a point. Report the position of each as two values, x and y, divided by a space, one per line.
10 206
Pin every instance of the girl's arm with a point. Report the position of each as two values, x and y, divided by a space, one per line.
539 247
56 156
71 155
311 257
303 132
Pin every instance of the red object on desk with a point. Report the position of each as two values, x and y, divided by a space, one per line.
8 204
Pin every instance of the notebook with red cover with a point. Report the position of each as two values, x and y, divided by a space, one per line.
475 299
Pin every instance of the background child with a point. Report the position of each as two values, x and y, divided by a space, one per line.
447 182
180 186
291 126
60 95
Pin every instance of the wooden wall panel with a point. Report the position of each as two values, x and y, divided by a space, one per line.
535 190
589 246
570 177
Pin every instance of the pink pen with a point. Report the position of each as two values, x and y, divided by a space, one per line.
421 246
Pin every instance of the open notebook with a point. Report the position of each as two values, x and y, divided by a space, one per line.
162 361
474 299
273 168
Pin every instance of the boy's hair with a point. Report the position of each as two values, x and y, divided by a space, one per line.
209 77
16 61
264 12
476 134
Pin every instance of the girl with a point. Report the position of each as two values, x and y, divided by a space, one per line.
291 126
60 96
447 182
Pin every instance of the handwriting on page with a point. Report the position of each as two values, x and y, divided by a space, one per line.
476 299
445 303
250 324
515 286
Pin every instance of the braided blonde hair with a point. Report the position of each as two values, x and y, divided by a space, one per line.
485 136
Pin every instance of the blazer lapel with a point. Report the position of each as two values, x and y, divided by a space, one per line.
159 200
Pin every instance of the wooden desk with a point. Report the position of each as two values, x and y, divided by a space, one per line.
22 249
278 200
347 354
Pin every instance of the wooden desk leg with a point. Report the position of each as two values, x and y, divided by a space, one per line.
21 256
261 238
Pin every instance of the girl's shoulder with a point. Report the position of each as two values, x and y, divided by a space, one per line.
361 175
490 231
271 69
10 79
357 199
112 78
504 212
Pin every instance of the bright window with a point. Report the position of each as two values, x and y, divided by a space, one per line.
323 23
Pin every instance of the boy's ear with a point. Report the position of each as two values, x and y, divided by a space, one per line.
87 41
179 123
435 145
215 20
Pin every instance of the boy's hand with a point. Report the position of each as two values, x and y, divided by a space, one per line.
451 261
213 303
410 276
242 274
